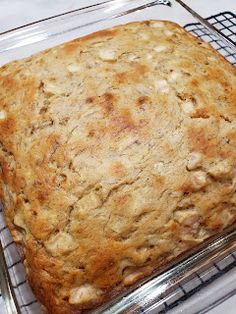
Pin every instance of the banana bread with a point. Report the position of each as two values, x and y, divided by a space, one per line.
117 153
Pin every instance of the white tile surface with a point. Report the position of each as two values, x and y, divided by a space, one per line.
227 307
17 12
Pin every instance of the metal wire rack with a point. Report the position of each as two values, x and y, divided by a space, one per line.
201 280
26 302
226 23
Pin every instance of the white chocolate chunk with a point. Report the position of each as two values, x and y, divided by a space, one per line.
131 56
153 240
194 160
118 225
158 167
107 55
212 59
148 56
160 48
131 278
19 221
221 169
175 138
168 33
187 218
188 107
84 294
90 200
162 86
157 24
174 76
2 115
51 89
199 179
73 68
144 36
125 263
61 242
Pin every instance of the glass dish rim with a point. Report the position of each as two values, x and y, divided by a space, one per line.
97 6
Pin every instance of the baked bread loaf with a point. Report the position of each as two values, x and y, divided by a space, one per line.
118 152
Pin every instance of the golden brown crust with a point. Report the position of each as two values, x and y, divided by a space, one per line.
117 153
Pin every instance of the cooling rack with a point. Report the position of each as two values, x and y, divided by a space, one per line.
225 23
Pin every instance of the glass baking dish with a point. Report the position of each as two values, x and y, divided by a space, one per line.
190 284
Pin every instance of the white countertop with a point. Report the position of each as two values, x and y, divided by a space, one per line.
17 12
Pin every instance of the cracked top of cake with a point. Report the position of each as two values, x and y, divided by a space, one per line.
117 153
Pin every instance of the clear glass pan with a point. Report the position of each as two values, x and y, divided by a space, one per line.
182 286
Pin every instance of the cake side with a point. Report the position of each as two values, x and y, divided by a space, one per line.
117 153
